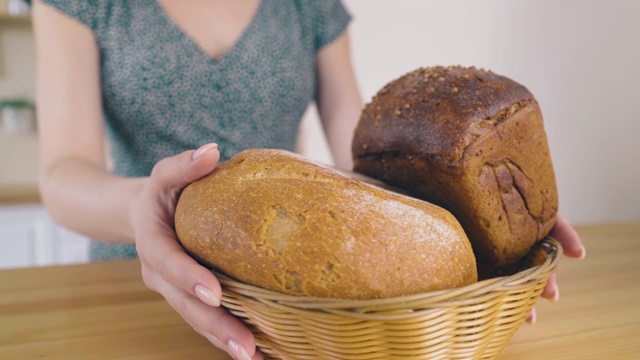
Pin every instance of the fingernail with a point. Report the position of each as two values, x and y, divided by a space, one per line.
203 149
531 319
583 253
237 351
556 295
206 296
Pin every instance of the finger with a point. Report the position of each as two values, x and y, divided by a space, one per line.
166 258
551 290
178 171
568 238
531 318
216 324
215 341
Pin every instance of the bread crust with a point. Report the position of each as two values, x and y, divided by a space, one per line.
472 142
275 220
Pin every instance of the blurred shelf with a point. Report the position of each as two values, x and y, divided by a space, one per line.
15 20
25 194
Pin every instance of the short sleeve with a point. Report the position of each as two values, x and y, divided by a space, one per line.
82 10
330 20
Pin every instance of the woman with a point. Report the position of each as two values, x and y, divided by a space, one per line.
161 78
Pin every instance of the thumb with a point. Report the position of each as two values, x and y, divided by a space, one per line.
181 170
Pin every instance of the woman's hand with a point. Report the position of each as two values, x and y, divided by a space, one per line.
571 247
189 288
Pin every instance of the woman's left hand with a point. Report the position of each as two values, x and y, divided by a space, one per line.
571 247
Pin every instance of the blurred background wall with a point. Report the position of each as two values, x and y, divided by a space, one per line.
580 59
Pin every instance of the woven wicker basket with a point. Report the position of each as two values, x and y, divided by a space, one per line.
472 322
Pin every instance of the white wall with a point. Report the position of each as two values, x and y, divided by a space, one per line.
581 59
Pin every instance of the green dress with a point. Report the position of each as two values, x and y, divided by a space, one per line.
163 95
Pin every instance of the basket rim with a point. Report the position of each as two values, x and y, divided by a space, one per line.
450 296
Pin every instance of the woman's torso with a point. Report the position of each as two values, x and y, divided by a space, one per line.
164 94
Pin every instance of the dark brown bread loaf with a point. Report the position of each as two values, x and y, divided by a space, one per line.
274 220
472 142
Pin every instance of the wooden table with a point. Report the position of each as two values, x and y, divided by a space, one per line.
103 311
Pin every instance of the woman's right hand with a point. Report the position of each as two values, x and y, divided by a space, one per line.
81 194
190 289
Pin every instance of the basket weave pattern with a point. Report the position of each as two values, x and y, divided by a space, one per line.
471 322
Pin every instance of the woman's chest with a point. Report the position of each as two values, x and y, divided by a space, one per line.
213 25
153 76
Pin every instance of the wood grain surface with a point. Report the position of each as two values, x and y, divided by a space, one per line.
104 311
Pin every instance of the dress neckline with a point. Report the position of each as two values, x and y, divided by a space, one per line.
176 28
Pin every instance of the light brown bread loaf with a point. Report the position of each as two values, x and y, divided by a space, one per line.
472 142
275 220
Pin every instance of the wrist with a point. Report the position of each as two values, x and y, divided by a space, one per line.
133 208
